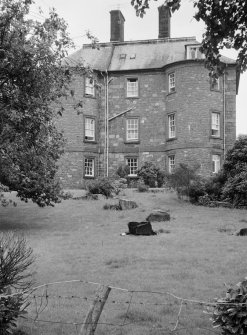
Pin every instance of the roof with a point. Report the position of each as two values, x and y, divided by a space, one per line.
135 55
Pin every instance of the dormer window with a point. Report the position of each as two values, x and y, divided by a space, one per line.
193 52
89 87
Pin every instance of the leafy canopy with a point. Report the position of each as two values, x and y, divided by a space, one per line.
226 27
32 83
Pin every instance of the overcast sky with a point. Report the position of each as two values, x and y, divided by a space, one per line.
93 15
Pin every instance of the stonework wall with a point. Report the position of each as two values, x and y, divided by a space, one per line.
192 103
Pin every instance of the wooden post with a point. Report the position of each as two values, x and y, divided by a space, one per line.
95 310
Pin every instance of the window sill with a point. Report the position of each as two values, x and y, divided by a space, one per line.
89 96
91 142
215 90
215 137
170 93
132 142
89 177
132 176
132 97
171 139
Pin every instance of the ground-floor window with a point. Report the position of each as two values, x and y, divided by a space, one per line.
132 162
216 163
171 163
89 167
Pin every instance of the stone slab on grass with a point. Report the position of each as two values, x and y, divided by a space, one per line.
158 215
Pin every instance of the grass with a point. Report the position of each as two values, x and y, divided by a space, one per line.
193 258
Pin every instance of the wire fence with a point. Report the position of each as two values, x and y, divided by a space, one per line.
67 307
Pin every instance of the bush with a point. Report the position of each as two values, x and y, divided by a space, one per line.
186 181
141 187
119 185
15 279
123 171
101 186
230 313
151 175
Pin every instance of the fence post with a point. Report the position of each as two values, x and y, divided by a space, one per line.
95 310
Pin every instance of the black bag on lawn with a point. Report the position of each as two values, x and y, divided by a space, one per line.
141 228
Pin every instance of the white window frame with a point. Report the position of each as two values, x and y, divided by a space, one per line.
132 85
89 167
216 163
89 127
215 124
193 52
132 129
171 82
132 162
171 163
89 86
172 125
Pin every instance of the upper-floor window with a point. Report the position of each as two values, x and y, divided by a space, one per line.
171 125
132 129
132 88
89 167
89 129
89 86
171 163
171 82
193 52
216 163
215 84
215 124
132 162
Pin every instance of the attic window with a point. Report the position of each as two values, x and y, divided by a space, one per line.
122 56
133 56
193 52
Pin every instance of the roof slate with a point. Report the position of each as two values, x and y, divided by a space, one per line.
134 55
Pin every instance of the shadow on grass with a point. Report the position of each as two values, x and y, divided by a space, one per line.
7 225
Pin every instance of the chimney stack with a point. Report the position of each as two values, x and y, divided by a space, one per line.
164 21
117 26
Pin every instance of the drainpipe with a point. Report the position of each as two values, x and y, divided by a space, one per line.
224 115
106 125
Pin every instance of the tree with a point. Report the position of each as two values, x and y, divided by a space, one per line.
226 27
235 173
33 80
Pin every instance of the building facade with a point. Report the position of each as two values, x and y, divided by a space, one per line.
150 100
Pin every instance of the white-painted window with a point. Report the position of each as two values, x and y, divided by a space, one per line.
215 125
132 88
216 163
171 163
133 165
171 125
132 129
89 129
89 86
193 52
89 167
171 79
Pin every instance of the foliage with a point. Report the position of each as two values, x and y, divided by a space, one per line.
225 23
15 279
230 313
123 171
33 80
235 173
141 186
101 186
115 207
119 184
186 181
151 174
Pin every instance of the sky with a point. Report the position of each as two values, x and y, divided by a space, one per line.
94 16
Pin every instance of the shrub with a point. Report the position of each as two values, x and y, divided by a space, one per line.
186 181
115 207
15 279
230 313
152 175
142 187
119 185
123 171
101 186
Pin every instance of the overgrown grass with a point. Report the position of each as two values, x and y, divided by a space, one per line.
80 240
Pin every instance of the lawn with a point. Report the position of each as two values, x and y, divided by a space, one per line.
192 259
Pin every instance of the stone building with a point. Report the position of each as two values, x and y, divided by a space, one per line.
148 100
